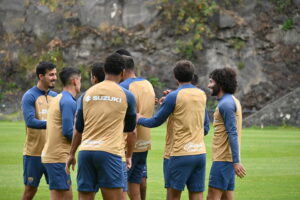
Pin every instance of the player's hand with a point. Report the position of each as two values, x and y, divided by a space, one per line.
138 116
165 92
71 161
156 101
239 170
128 162
161 100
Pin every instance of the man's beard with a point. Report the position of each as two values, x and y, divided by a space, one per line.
51 86
215 90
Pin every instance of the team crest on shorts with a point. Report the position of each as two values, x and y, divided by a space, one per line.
69 182
30 179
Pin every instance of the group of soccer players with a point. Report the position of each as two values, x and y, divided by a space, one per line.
110 123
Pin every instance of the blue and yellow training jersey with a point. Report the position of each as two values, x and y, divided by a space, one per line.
104 113
185 110
35 104
59 132
145 101
227 129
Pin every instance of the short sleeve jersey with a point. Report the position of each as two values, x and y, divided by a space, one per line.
227 129
145 101
105 112
60 122
35 104
185 110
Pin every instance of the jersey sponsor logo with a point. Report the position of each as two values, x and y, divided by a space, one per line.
30 179
91 143
43 112
191 147
103 98
88 98
142 144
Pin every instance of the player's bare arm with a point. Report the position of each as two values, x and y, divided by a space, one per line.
74 146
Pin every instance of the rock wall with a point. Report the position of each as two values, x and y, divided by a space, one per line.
249 37
284 111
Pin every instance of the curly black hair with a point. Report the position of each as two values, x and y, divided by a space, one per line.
225 78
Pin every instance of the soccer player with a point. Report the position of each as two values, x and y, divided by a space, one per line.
60 122
105 112
185 108
35 104
168 136
142 89
227 135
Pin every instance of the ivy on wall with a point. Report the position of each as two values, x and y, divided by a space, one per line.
189 17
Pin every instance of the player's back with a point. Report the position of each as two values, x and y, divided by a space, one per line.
145 101
104 109
186 123
57 147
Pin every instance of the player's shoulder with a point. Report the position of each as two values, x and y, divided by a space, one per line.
129 95
126 83
200 89
127 92
52 93
172 95
227 102
31 94
67 98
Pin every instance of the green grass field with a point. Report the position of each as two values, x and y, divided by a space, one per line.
271 157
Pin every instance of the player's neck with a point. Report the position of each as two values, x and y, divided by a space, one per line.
42 87
128 74
183 83
71 89
114 78
220 94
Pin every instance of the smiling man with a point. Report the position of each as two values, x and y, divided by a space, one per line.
35 104
227 135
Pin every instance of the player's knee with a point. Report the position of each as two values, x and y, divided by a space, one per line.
143 187
29 192
69 195
209 196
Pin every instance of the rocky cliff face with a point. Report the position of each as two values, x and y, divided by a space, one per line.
261 39
284 111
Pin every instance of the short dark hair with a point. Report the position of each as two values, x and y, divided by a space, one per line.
225 78
114 64
123 52
184 70
97 70
43 66
66 73
195 79
129 63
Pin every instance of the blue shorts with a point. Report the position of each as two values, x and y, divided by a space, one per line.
99 169
58 178
145 174
186 170
33 170
139 161
125 181
222 176
166 161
